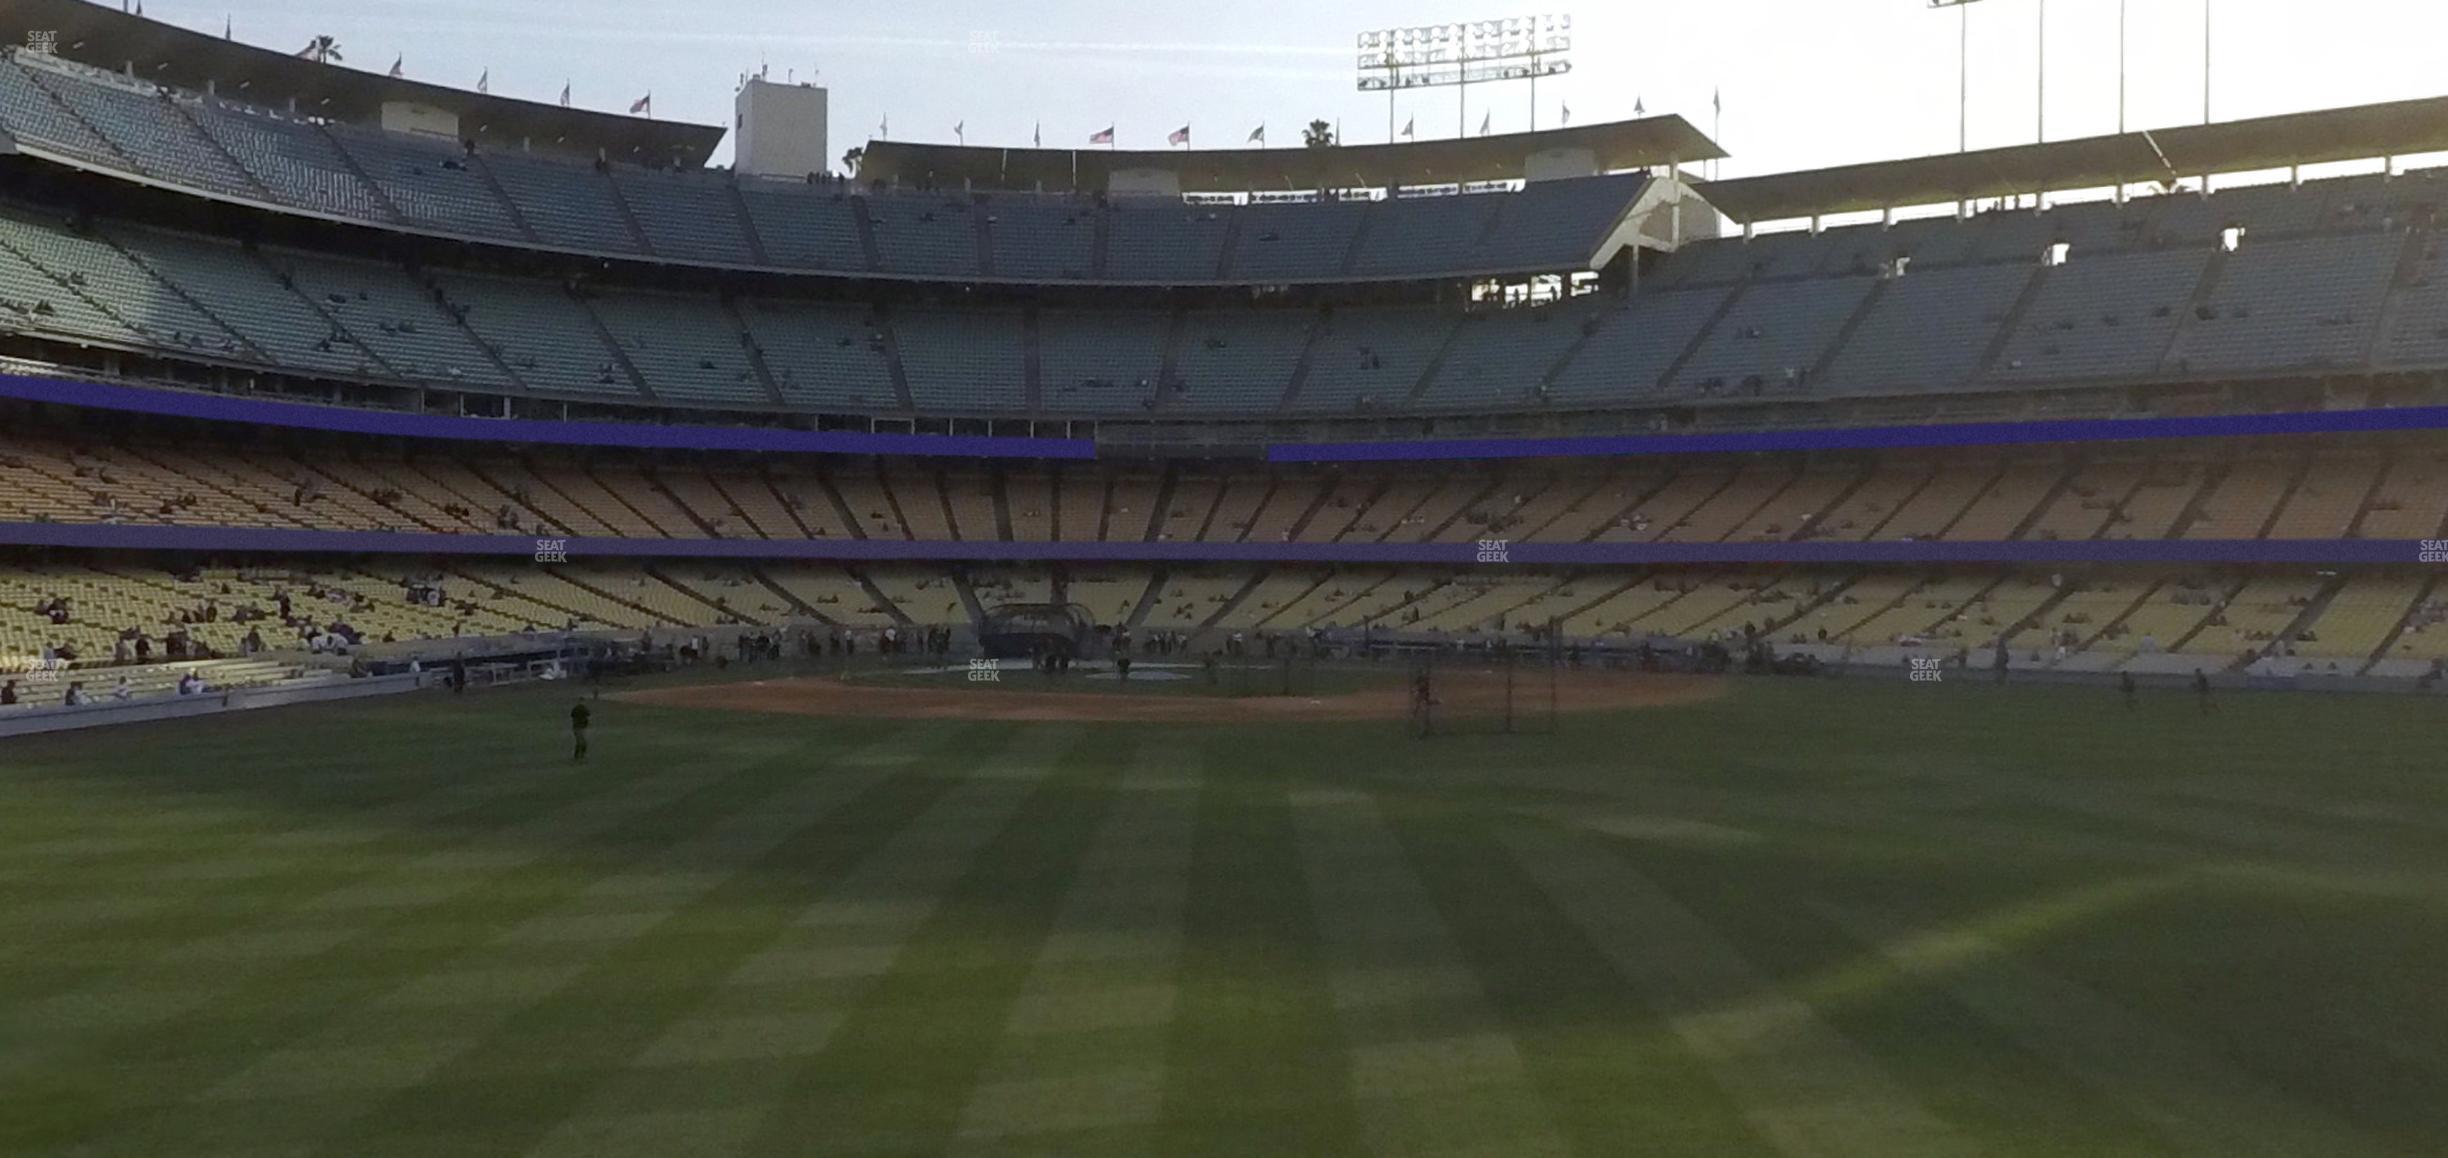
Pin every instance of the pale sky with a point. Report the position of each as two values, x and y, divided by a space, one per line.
1806 82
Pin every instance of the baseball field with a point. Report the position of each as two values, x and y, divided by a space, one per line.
1789 918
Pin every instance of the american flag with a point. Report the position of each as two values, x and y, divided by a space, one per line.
644 104
1102 137
396 62
1180 136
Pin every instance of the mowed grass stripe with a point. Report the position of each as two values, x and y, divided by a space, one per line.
2198 1101
1602 1059
196 882
631 950
1807 1088
321 1011
1255 1064
2010 1100
1437 1076
1080 1066
535 813
969 908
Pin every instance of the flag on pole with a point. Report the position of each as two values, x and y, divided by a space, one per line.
1037 135
884 128
960 131
644 104
1486 119
1258 135
1103 136
565 93
396 62
1180 136
1716 100
1568 114
308 52
1637 109
225 27
484 84
1408 125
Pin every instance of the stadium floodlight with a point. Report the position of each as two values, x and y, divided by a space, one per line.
1463 54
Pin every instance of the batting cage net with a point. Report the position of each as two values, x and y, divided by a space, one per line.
1500 688
1028 630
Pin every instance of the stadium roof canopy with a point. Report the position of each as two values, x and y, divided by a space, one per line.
1612 146
2398 128
165 54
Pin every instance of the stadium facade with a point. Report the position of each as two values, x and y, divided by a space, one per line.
256 342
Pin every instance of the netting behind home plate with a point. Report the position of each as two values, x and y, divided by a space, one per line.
1492 689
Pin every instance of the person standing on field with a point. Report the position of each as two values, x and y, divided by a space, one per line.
578 731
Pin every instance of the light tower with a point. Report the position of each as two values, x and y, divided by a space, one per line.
1460 55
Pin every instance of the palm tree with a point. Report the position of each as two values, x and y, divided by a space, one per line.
326 50
1319 135
851 159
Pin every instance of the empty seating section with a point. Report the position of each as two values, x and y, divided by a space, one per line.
140 120
547 338
1236 360
1053 240
2325 503
294 161
1165 241
2241 504
1370 359
1438 231
1296 241
2418 333
1555 224
392 317
917 233
1633 345
1929 329
963 360
31 114
2089 501
87 276
1101 363
804 228
689 216
1772 337
249 300
1500 359
429 180
822 356
688 348
2265 210
2411 501
435 184
563 209
2101 317
1718 260
2305 302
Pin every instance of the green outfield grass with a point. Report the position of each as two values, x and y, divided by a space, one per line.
1810 918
